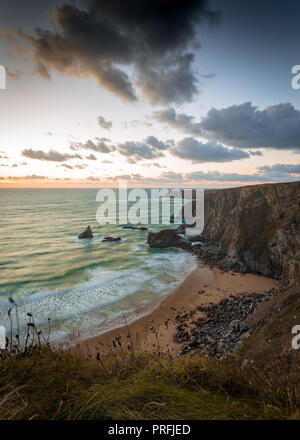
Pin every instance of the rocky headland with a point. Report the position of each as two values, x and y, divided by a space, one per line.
252 229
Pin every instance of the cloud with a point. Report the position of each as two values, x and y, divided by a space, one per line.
99 146
208 75
156 144
165 84
52 155
246 126
275 173
29 177
180 121
281 168
150 148
104 123
101 38
195 151
255 153
135 151
137 123
216 176
91 157
154 164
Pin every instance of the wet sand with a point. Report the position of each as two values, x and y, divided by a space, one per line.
155 331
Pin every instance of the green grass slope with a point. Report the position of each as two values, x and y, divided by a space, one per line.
50 384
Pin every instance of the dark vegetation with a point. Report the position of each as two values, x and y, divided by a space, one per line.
40 382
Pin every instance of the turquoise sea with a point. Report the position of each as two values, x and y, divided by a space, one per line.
84 286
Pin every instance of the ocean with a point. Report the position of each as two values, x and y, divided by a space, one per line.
84 286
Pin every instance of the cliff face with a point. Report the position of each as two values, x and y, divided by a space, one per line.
257 228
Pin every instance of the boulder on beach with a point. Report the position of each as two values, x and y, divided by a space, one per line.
88 233
163 239
111 239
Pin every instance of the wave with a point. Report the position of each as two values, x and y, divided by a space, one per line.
104 296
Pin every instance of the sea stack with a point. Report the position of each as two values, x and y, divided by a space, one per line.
163 239
88 233
111 239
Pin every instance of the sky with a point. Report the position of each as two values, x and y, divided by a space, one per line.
156 93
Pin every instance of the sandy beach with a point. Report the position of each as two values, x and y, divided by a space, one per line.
155 331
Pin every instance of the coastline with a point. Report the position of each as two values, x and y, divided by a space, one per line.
155 330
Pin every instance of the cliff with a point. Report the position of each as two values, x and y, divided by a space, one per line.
257 227
252 229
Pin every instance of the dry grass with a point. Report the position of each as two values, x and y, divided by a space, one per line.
49 384
39 382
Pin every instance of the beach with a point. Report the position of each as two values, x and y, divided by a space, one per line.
155 331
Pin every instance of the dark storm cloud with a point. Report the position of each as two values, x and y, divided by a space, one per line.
255 153
104 123
52 155
195 151
180 121
161 84
99 38
246 126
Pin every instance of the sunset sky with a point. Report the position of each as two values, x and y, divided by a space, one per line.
157 93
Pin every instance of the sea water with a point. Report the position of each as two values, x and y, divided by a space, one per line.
83 286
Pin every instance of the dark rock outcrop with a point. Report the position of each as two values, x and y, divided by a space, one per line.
257 228
135 228
250 229
170 238
86 234
163 239
111 239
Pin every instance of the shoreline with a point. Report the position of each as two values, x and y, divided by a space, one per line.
155 330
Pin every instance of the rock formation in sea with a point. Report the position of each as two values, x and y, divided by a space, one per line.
135 228
88 233
111 239
163 239
250 229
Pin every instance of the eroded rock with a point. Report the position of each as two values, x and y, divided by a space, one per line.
88 233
